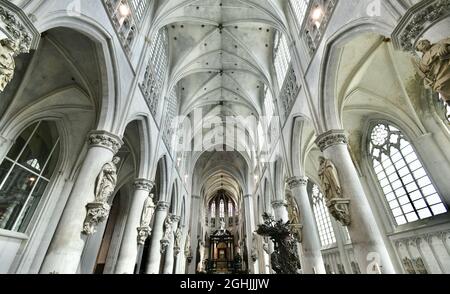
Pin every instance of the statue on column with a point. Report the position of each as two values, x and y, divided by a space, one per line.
8 51
168 232
337 205
144 229
177 246
188 249
105 185
434 67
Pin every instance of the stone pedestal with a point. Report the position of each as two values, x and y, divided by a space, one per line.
68 242
312 261
154 259
134 234
370 249
280 210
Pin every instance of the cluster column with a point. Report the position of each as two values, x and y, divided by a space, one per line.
370 249
68 242
250 228
312 261
154 259
129 248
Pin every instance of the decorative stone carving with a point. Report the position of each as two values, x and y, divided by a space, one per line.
106 140
284 259
168 231
331 138
289 91
295 182
420 266
294 218
18 35
416 21
144 229
338 206
434 67
408 265
105 184
202 250
254 251
162 206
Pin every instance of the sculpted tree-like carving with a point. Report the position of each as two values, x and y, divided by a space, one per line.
8 50
337 205
284 258
294 217
105 184
434 67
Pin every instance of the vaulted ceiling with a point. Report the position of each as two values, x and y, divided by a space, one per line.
221 52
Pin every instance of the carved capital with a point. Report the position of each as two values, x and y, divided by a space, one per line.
176 219
248 196
96 212
143 234
295 182
164 245
162 206
196 197
279 203
331 138
105 140
143 184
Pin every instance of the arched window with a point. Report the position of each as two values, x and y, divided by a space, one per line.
406 186
282 57
213 209
221 209
230 208
25 173
323 220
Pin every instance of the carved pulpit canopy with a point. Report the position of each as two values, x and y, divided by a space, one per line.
17 35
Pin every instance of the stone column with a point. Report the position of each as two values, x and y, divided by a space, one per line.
249 230
68 242
312 262
129 248
280 210
340 243
170 250
154 259
194 239
370 249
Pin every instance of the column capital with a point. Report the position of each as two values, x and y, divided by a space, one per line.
279 203
295 182
143 184
176 218
247 196
331 138
196 197
162 205
106 140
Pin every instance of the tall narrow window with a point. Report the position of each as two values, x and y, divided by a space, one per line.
406 186
25 174
230 208
213 209
282 57
300 7
221 208
323 220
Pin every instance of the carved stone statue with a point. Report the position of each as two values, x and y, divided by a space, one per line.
294 217
434 67
177 245
144 229
337 205
8 50
105 184
284 258
106 181
254 251
168 231
188 248
202 251
222 224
